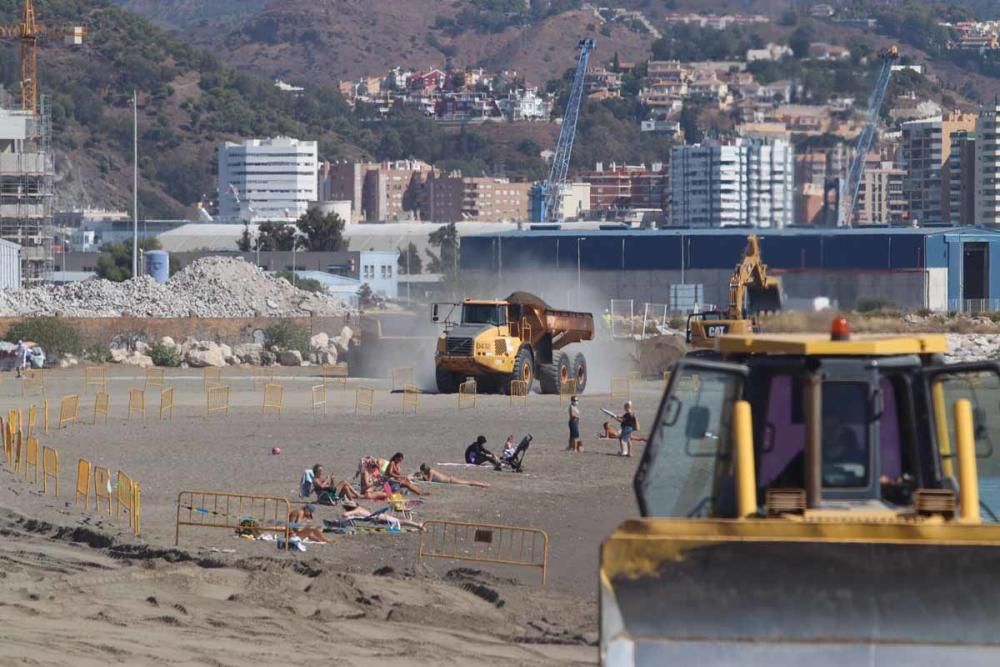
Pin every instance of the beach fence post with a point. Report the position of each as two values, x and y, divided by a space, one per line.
50 468
83 471
136 508
137 402
124 495
620 387
102 406
318 393
45 415
167 402
262 376
518 391
401 377
31 457
69 410
467 394
217 400
411 395
95 376
364 397
232 511
330 374
567 390
102 487
211 377
485 543
274 399
155 377
32 419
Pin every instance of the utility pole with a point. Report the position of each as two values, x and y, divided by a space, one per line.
135 184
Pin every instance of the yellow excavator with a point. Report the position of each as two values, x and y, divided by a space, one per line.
751 291
813 500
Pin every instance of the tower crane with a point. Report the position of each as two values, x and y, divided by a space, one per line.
548 193
29 32
848 194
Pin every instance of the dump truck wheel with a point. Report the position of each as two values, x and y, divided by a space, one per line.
447 382
580 372
548 378
524 370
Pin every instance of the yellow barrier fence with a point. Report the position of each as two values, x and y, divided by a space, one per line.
318 398
45 415
567 390
125 497
364 397
69 410
33 380
620 388
634 376
401 377
485 543
411 397
274 399
32 420
331 374
167 402
83 470
8 444
467 394
137 402
50 468
31 458
211 377
518 391
249 514
102 405
262 376
155 377
102 488
95 376
216 400
136 508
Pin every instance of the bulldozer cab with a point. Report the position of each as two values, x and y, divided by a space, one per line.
884 428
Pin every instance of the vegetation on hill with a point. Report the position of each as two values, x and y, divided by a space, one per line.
491 16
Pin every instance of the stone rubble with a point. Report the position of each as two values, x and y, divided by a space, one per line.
972 347
209 287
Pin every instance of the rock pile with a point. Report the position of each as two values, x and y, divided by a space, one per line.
209 287
972 347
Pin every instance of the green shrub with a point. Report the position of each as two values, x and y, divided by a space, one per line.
56 336
98 354
874 305
165 355
287 335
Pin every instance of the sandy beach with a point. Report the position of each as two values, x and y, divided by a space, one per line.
76 587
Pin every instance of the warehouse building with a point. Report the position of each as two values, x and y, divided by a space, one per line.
943 269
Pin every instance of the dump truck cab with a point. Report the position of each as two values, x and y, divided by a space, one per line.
519 339
812 498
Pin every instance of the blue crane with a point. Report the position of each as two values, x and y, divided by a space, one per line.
865 139
546 195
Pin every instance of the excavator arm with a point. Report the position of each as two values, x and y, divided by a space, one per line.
751 290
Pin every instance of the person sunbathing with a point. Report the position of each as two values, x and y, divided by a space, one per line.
372 484
428 474
298 527
354 511
396 479
328 489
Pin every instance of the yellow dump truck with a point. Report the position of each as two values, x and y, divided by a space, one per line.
813 500
517 338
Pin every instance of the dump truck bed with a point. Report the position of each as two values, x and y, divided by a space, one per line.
565 326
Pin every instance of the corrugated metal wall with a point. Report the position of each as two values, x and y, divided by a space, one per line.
10 265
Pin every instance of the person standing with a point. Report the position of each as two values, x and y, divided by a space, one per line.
575 444
630 424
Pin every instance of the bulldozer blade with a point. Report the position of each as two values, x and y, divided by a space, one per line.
763 299
781 592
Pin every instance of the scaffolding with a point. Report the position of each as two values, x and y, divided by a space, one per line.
27 177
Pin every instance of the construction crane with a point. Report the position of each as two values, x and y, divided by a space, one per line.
849 192
548 193
29 32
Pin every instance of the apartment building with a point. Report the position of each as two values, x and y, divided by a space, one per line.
925 148
746 182
987 171
880 198
388 191
457 198
266 179
620 187
960 174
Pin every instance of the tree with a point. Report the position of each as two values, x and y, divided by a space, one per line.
321 232
307 284
245 242
800 41
365 295
275 236
115 262
445 239
409 260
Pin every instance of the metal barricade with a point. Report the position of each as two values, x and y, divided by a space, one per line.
274 399
485 543
620 387
155 377
217 400
467 392
262 376
167 402
69 409
95 376
83 471
518 391
102 488
364 397
102 405
401 377
50 468
411 396
211 377
232 511
318 393
567 390
137 402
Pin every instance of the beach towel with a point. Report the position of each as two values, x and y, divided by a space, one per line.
463 464
306 483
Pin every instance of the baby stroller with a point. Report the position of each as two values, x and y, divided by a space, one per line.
514 458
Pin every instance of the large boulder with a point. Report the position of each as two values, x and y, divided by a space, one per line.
167 341
68 361
202 358
118 355
249 353
319 341
327 357
138 359
290 358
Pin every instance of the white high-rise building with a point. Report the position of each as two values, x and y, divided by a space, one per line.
267 179
988 166
747 182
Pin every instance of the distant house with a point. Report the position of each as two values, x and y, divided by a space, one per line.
824 51
821 11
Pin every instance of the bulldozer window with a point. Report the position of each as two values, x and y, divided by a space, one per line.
981 386
484 313
689 442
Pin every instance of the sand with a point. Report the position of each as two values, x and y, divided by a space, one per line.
76 587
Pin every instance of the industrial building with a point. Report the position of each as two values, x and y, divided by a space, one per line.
27 175
266 179
943 269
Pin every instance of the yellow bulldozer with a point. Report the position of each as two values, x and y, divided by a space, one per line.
518 338
813 500
751 291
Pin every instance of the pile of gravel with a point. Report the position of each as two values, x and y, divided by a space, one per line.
209 287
